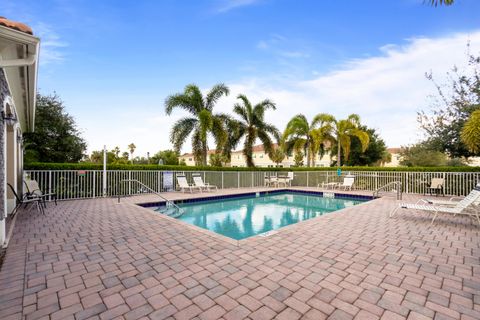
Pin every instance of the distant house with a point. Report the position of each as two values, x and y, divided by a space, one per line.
396 157
189 158
18 80
260 158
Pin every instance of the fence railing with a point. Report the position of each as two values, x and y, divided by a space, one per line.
83 184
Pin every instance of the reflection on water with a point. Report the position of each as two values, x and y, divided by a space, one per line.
246 217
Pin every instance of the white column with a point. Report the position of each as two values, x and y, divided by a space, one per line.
3 232
12 163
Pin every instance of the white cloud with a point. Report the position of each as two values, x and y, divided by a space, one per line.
52 47
227 5
385 90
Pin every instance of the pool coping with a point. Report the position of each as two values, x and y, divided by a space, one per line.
147 205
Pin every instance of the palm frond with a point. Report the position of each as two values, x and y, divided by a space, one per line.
215 94
322 119
470 134
241 111
439 2
363 137
179 100
180 131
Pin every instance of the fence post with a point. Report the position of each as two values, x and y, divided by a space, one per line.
50 185
222 180
238 179
252 179
406 182
307 177
104 187
129 183
94 184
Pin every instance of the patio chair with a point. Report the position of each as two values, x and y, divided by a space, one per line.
33 191
348 182
461 207
290 177
271 181
436 186
198 181
26 201
453 201
184 185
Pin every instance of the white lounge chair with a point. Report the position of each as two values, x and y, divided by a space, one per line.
290 177
198 181
184 185
271 181
453 201
348 182
461 207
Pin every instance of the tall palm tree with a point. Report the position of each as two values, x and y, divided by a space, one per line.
131 148
251 126
300 135
343 131
201 122
471 132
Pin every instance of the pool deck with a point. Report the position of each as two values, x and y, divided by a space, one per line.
99 259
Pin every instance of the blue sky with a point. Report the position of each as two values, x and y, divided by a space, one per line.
114 62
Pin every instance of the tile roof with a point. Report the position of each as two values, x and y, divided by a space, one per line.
394 150
15 25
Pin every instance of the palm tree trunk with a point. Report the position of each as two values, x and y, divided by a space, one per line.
339 155
307 152
204 154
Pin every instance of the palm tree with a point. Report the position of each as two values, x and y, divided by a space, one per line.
201 122
251 126
301 135
131 148
471 132
343 131
440 2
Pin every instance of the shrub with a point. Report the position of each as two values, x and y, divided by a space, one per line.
93 166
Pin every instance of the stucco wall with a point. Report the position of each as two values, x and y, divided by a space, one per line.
3 94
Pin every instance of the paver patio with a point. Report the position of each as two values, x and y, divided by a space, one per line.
97 259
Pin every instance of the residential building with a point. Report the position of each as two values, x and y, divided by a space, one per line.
18 78
396 157
260 158
190 159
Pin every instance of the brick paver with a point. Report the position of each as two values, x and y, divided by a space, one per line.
100 259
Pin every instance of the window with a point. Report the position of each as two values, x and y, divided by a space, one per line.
189 159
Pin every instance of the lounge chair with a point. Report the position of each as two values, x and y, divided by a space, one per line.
184 185
33 191
290 177
198 181
271 181
436 186
348 182
453 201
461 207
26 201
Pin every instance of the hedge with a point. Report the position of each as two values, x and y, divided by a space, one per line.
92 166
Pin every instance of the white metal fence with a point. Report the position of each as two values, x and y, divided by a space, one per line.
82 184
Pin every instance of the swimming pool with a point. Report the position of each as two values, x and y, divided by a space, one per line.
247 216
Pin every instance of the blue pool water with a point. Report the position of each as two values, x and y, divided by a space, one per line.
240 218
